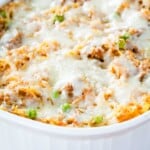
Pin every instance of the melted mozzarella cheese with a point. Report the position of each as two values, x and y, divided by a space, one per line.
80 60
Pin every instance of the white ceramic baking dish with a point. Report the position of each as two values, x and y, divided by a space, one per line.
17 133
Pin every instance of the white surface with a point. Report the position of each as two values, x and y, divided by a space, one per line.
22 134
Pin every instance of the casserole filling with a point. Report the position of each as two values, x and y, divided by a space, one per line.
78 63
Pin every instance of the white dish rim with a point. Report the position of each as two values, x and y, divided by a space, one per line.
47 129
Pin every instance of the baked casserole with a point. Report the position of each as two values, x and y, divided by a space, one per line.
77 63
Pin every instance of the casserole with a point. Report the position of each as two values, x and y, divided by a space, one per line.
76 64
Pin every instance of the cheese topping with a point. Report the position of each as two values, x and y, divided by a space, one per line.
75 63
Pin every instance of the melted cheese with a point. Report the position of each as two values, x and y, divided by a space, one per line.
79 57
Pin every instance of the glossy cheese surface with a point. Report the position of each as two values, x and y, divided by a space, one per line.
82 63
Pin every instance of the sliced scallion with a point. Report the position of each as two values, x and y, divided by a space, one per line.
32 113
66 107
58 18
97 120
55 94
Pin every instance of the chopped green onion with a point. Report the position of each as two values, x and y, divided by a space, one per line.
66 107
125 36
116 15
55 94
97 120
121 43
32 113
59 18
3 14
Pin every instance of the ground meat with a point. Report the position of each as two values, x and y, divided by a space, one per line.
69 89
15 42
145 65
96 53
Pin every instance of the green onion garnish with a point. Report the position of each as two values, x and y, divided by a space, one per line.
116 15
3 14
55 94
125 36
59 18
121 43
97 120
66 107
32 113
